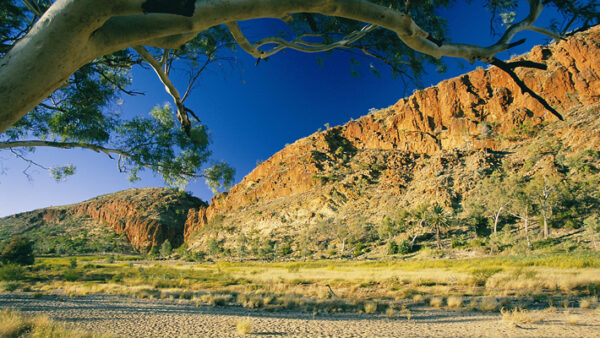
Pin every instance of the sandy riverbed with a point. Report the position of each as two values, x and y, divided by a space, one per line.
123 316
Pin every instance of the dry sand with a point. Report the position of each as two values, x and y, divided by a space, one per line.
123 316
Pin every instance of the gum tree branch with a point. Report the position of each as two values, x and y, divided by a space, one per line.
40 63
182 111
509 69
297 44
70 145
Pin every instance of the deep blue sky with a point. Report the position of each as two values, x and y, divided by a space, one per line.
252 112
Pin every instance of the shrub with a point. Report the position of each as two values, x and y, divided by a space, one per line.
19 251
392 248
488 304
436 301
165 249
243 326
213 246
455 302
153 253
404 247
370 307
10 272
285 249
520 316
71 275
73 263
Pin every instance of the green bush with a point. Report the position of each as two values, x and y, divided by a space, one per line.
71 275
166 249
153 253
285 249
404 247
19 251
392 248
10 272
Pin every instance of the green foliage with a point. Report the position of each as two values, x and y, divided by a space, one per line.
592 224
165 249
19 251
219 176
73 262
71 275
284 249
11 272
404 247
213 247
392 248
154 251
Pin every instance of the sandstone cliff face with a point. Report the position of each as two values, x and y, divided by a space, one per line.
421 148
146 216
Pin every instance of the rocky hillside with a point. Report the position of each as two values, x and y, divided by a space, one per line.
431 146
140 218
434 146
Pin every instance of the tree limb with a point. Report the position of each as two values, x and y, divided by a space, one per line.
508 68
70 145
297 44
62 145
103 27
182 111
545 31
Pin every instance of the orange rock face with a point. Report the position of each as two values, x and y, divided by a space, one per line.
146 216
457 114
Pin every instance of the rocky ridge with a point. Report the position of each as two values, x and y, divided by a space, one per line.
432 146
425 147
146 217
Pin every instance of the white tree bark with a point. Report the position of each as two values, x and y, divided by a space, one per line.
74 32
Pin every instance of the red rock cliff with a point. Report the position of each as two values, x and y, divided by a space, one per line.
455 114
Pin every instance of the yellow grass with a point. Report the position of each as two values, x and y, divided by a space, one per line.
436 301
572 319
455 302
488 304
521 316
370 307
589 302
244 326
13 324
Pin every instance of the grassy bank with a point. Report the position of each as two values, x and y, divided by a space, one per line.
501 281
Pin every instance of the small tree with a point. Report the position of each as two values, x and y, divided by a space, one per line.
543 189
592 226
521 203
438 219
19 251
417 220
493 194
165 249
213 247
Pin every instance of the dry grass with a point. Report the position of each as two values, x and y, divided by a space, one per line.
572 319
370 307
455 302
588 303
418 298
243 326
521 316
436 302
13 324
488 304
